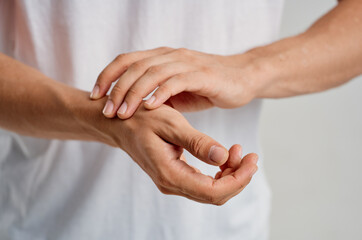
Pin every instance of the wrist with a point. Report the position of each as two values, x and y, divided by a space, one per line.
274 69
91 124
256 73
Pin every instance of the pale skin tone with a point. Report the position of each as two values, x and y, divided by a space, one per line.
326 55
154 139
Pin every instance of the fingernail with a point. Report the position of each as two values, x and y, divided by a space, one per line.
151 100
240 153
95 92
108 108
123 108
217 154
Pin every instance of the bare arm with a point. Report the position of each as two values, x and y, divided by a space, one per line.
328 54
35 105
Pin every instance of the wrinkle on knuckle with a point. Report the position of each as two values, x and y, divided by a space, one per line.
207 69
180 77
117 90
133 93
137 66
164 89
163 180
211 198
154 70
196 143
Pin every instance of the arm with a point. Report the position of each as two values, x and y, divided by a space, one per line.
328 54
35 105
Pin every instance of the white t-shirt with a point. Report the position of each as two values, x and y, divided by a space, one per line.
72 190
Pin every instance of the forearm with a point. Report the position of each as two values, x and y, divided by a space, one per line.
35 105
328 54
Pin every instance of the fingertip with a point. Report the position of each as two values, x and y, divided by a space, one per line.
152 103
234 156
108 110
95 94
218 155
253 157
122 116
151 106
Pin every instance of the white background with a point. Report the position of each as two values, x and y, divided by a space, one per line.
313 152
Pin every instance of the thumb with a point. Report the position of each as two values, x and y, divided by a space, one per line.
202 146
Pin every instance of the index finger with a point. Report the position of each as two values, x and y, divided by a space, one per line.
118 66
208 189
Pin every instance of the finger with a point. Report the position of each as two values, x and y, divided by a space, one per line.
168 191
227 171
252 158
189 82
118 66
146 83
135 71
215 191
198 144
127 79
218 175
234 160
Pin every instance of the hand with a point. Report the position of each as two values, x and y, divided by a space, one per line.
155 140
190 80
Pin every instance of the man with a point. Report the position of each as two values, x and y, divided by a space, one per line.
69 188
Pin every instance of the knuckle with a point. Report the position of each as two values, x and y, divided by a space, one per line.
164 89
121 57
243 185
163 181
133 93
102 76
179 77
117 90
196 143
155 70
164 48
220 202
212 198
207 69
183 51
137 66
163 190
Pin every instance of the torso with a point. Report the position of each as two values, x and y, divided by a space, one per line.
51 189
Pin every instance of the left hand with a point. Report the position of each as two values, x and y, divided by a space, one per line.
188 80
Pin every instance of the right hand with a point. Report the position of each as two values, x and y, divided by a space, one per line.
155 140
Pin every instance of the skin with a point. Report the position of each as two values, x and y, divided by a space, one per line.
327 55
154 139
